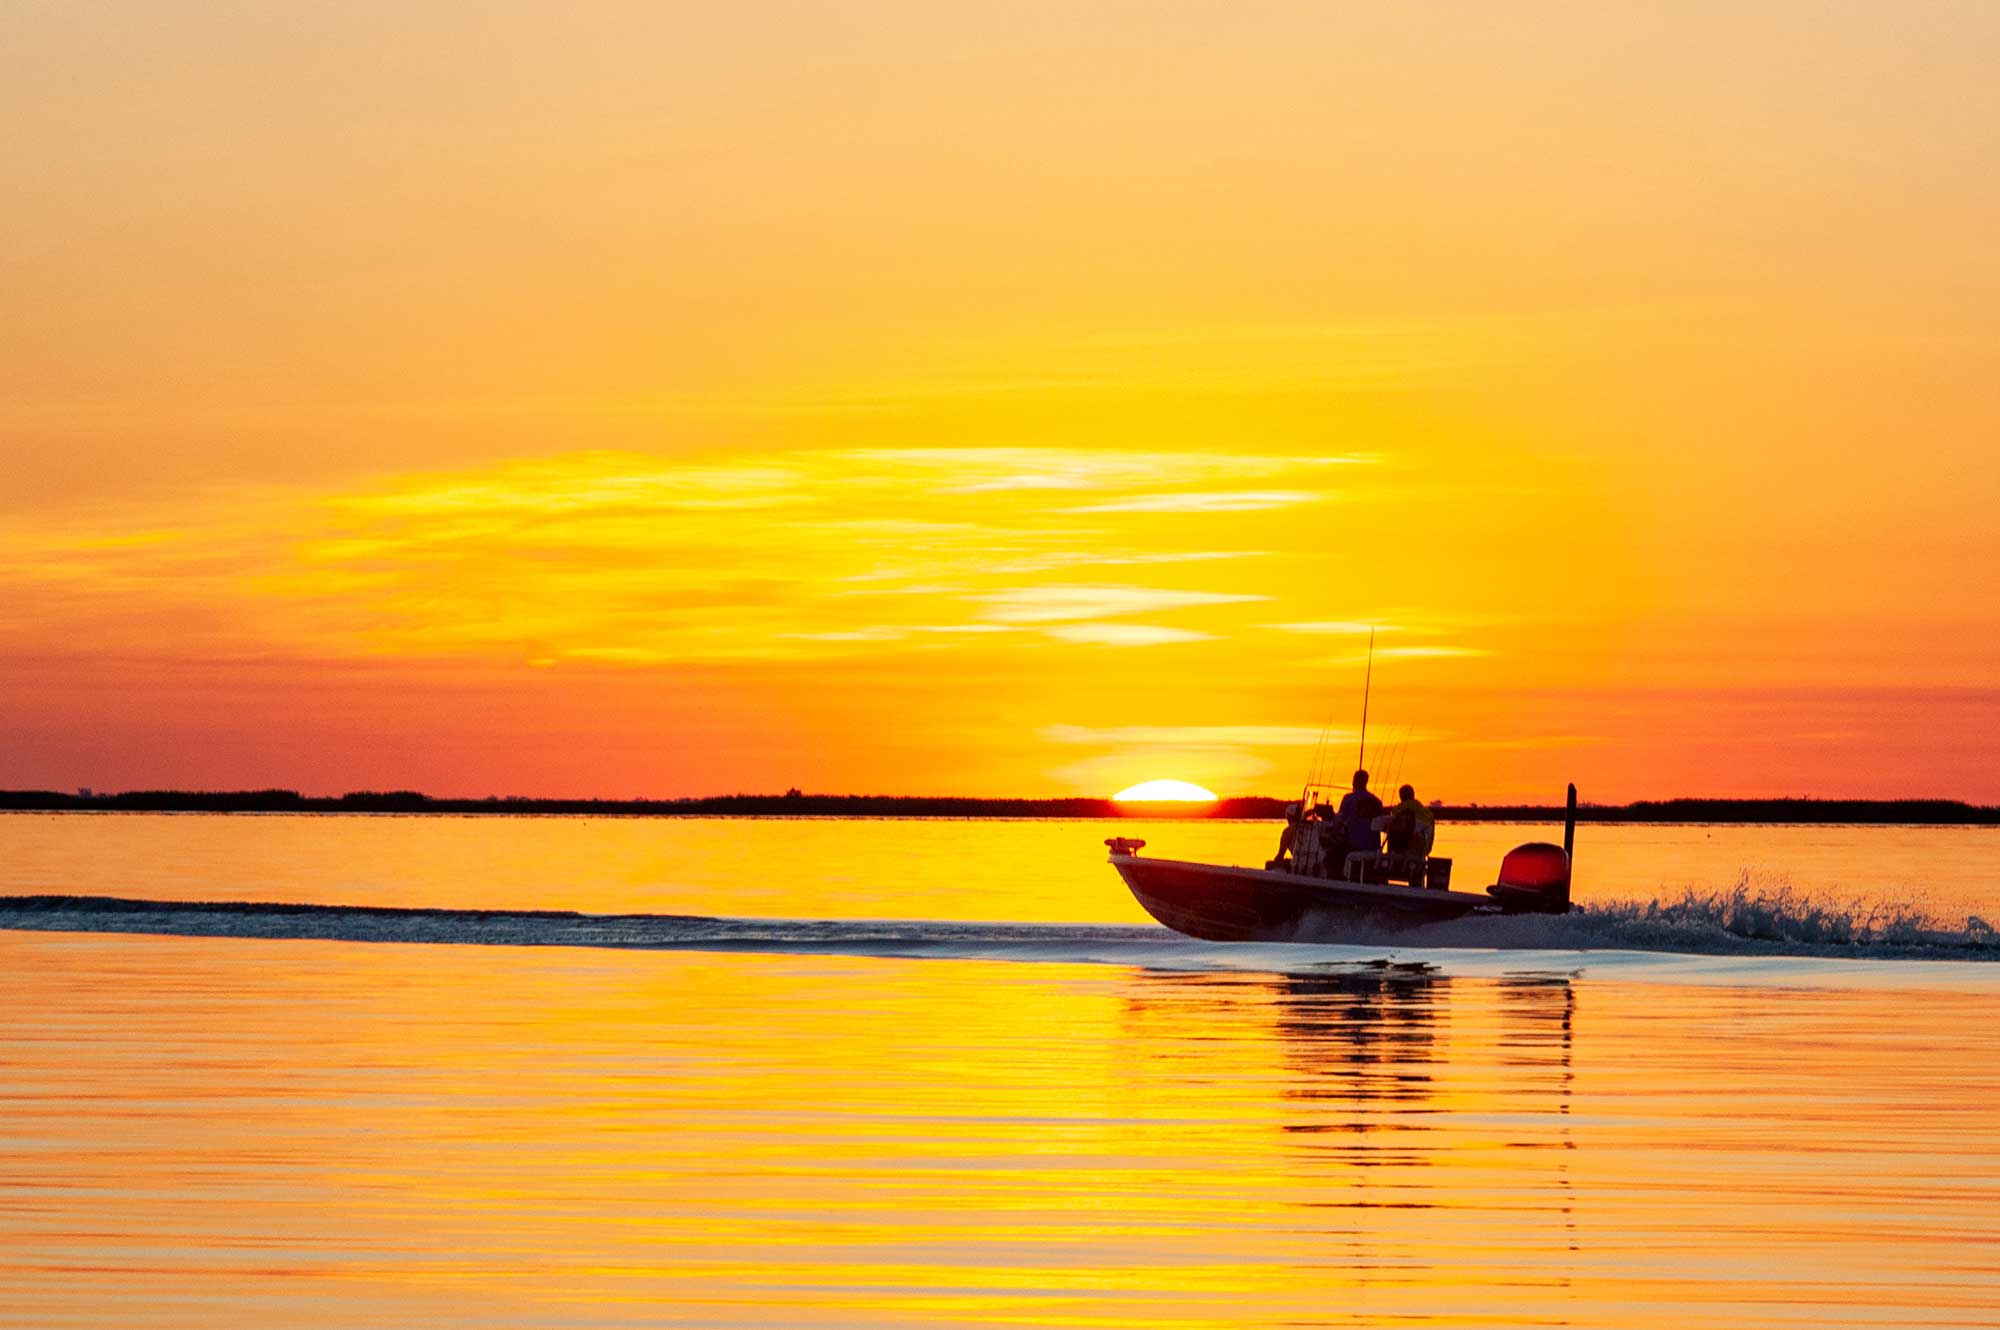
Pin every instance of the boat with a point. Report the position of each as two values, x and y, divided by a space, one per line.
1313 895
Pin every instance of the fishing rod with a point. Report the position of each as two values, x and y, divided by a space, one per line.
1318 758
1315 771
1367 682
1394 765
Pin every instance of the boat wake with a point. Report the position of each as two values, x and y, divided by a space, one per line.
1748 919
1746 934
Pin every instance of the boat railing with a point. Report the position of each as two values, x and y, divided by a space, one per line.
1308 855
1416 870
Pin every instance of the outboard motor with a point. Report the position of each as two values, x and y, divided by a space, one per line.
1534 879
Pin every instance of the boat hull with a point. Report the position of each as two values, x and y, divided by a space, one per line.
1223 904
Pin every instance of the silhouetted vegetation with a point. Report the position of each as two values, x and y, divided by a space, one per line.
795 804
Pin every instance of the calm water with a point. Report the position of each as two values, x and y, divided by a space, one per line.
1080 1122
828 868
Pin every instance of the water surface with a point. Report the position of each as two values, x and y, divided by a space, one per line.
884 868
1089 1123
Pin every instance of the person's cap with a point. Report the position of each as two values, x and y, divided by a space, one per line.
1407 792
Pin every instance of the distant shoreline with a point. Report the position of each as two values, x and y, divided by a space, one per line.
1832 812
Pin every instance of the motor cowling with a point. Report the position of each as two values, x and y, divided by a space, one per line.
1534 879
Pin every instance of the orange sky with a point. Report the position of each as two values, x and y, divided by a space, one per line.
895 397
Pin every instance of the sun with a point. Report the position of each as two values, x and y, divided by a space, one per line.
1164 792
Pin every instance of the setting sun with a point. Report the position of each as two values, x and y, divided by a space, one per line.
1164 791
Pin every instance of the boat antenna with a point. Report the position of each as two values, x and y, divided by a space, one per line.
1367 682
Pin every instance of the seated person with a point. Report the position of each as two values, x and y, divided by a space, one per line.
1398 829
1412 827
1288 838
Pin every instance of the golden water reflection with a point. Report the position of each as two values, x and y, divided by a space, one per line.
885 868
236 1133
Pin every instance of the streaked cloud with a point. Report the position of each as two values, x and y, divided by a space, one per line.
1053 604
1025 481
629 558
999 471
1125 634
1393 619
1433 652
1063 559
1215 501
1336 627
849 635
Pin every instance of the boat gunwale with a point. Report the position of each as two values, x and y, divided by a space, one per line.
1331 887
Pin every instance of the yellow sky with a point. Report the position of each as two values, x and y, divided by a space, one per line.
1036 399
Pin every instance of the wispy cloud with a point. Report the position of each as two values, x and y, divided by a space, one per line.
1023 481
660 559
1398 627
1125 634
1001 471
1213 501
1058 560
1435 652
1390 619
1054 604
1335 627
879 634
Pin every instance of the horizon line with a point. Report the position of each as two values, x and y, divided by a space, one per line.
275 798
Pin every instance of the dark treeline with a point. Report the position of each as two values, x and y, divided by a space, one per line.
795 804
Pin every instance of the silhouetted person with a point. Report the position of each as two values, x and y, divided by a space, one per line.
1359 809
1412 828
1288 838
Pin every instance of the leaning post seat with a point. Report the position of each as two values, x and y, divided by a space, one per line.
1534 879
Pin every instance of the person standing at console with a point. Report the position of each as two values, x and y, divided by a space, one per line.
1358 811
